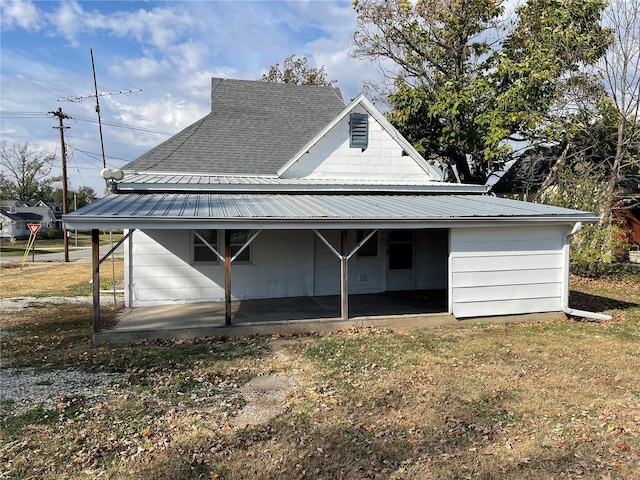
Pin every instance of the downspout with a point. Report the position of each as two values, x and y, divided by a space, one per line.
565 289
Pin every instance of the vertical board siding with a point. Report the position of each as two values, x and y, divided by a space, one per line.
506 271
432 259
162 271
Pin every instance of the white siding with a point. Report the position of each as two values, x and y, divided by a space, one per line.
505 271
432 259
365 273
332 158
162 273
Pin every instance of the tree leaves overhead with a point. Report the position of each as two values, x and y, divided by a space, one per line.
294 71
465 76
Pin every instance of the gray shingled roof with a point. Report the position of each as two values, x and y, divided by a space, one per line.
253 128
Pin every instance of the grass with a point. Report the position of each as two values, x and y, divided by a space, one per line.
557 400
56 279
46 245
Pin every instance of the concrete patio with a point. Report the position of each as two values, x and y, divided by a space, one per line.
398 310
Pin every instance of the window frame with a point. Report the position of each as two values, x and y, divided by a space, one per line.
239 245
196 243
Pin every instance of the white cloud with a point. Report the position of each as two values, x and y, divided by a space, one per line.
157 27
20 13
171 52
68 19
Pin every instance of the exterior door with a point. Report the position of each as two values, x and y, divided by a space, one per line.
400 260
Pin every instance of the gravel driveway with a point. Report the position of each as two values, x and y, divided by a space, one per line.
27 387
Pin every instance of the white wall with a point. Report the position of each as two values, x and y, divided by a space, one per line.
493 271
11 228
332 158
504 271
162 272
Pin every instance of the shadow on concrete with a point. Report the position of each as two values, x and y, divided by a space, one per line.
275 315
282 316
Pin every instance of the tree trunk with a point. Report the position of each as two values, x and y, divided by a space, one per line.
462 167
614 176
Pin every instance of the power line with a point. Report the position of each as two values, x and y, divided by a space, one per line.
124 125
90 154
142 147
10 114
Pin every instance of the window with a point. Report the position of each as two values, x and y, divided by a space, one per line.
369 249
201 252
238 239
359 130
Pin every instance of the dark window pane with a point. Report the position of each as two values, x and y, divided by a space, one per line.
238 239
400 256
369 249
245 256
239 236
401 236
201 252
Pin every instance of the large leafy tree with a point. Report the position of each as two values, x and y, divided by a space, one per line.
466 79
76 198
620 69
294 70
25 173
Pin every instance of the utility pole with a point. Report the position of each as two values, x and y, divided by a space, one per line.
61 116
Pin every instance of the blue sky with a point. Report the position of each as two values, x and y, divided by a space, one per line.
169 50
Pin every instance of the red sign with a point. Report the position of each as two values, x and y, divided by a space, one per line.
33 227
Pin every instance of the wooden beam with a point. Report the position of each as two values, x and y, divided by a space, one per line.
115 247
344 276
227 277
95 264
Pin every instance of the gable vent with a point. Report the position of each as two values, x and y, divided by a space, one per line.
359 130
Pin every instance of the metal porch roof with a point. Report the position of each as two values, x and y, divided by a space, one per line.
276 211
204 183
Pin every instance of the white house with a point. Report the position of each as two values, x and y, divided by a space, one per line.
16 215
290 193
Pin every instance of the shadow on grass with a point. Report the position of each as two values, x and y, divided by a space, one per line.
350 443
596 303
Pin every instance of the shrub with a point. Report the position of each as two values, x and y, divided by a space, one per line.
52 233
593 248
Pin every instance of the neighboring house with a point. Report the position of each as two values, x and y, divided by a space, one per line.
522 181
15 215
527 175
628 208
291 193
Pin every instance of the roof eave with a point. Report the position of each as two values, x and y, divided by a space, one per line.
442 188
182 223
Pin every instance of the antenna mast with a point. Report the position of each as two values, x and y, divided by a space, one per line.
95 85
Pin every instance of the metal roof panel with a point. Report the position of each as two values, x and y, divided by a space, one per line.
170 210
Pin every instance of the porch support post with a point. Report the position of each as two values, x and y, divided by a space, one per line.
95 264
227 277
344 276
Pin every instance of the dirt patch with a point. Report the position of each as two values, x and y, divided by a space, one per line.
15 304
266 396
